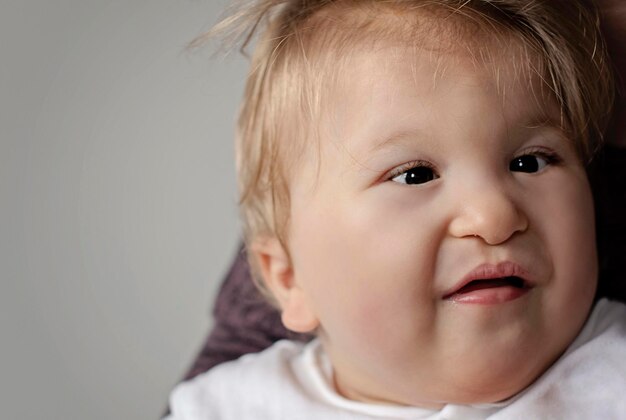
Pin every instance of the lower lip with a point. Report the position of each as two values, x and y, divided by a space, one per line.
490 296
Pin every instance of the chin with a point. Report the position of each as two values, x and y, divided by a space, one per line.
494 385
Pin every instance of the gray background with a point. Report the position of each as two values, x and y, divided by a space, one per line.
117 201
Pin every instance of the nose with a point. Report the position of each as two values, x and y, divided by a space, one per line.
488 212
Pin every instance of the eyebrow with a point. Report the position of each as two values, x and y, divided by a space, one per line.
543 117
396 138
538 121
543 122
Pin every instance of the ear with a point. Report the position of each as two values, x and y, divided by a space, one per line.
278 275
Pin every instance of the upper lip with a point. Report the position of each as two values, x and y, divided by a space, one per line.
489 271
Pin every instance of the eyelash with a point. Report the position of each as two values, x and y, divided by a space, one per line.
411 165
549 156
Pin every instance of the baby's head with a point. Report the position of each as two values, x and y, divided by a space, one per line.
414 187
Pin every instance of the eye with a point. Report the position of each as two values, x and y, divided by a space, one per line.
414 173
532 162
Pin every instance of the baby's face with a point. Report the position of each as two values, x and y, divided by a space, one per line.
446 245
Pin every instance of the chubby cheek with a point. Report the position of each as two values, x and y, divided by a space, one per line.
572 242
360 262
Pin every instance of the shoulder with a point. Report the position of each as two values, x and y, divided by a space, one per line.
589 380
597 357
607 315
603 337
253 386
595 363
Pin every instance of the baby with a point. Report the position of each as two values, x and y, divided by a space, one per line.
414 191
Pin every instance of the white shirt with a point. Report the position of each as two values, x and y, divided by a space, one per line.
293 381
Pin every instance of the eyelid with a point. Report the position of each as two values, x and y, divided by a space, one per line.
548 154
408 166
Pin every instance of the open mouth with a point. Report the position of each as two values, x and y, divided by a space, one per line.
490 291
511 281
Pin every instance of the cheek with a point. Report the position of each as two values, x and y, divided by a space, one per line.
571 235
359 260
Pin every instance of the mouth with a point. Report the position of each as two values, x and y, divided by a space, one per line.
489 284
512 281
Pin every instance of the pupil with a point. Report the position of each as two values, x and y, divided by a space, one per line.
419 175
525 164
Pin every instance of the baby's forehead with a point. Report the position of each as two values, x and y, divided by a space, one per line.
335 47
409 85
417 75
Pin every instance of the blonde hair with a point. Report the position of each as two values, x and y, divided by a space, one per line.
284 86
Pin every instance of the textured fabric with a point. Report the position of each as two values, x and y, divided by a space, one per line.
294 381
